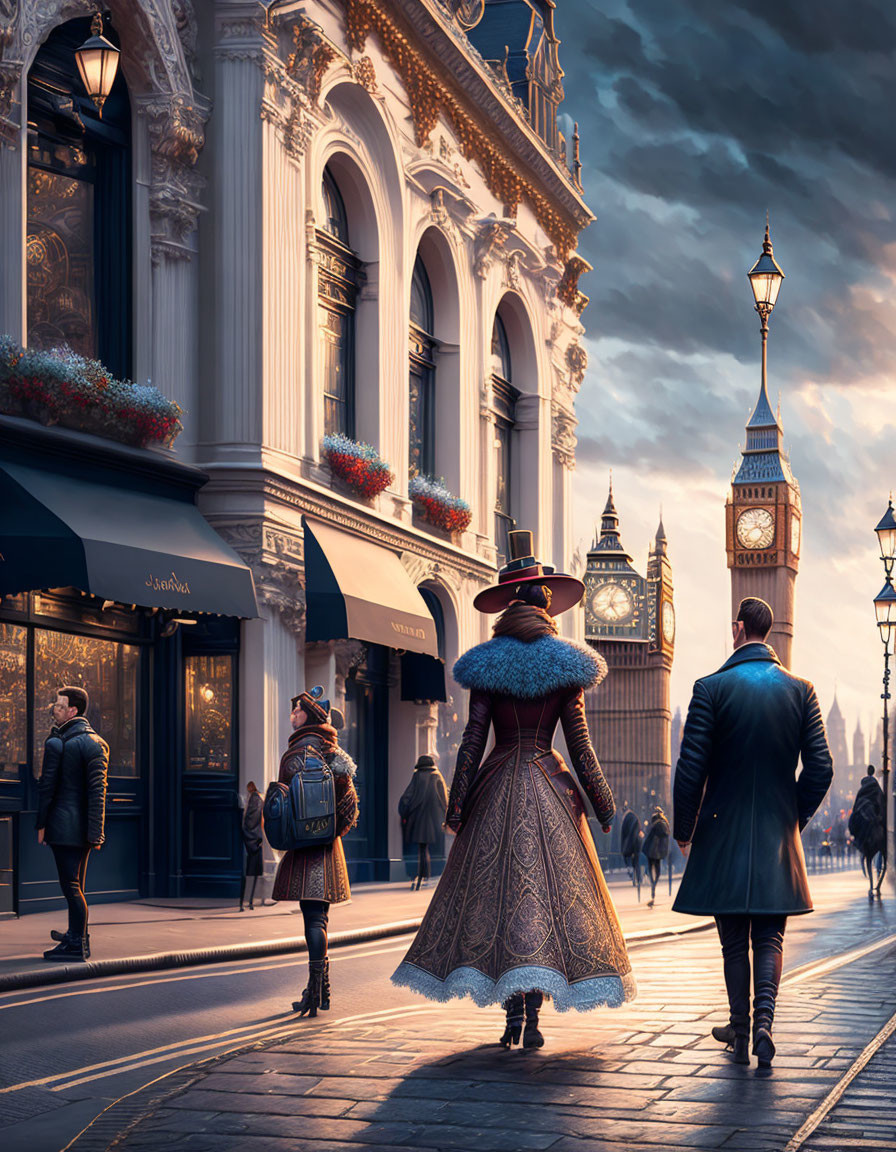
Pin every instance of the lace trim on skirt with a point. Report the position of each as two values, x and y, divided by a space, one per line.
584 995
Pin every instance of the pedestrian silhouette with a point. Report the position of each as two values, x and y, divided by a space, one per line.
422 810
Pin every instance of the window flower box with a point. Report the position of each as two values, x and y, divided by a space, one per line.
437 506
358 464
62 387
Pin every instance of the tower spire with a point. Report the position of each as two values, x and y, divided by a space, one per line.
608 540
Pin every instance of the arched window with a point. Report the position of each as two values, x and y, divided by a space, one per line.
422 375
78 245
338 277
504 398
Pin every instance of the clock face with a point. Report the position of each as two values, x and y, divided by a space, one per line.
755 528
668 621
611 603
795 535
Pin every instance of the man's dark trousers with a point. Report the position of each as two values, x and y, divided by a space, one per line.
71 865
767 934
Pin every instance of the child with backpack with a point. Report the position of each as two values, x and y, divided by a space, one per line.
307 811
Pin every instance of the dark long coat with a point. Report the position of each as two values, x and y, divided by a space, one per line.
737 797
422 806
251 831
656 839
522 903
318 873
72 803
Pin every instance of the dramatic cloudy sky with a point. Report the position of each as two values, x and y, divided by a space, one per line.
695 118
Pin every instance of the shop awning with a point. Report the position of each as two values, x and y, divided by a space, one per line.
126 544
358 590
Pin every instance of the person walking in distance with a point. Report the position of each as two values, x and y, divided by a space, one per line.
656 848
422 809
317 876
739 807
71 811
252 842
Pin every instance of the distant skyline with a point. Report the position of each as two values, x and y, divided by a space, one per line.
696 119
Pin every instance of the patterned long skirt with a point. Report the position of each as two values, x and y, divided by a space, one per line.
522 904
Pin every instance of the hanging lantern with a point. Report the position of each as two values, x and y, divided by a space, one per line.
97 61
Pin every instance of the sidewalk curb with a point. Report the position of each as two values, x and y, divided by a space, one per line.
64 973
159 961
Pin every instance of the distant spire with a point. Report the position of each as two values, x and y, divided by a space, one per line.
609 541
660 542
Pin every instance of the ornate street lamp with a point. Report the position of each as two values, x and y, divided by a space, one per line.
885 611
765 279
97 61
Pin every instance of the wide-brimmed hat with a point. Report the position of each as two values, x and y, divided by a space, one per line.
313 704
524 568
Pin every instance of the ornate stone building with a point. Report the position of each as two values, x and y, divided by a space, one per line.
631 620
333 216
763 522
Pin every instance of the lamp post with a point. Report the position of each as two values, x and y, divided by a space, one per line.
97 61
765 279
885 611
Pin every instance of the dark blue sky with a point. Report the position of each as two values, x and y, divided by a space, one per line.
696 117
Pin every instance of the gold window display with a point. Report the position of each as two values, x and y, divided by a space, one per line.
208 697
13 699
108 671
59 258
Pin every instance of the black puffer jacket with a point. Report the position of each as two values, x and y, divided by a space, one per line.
72 804
737 796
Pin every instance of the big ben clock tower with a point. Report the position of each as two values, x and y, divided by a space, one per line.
763 518
630 619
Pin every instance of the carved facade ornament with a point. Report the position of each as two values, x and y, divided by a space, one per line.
568 288
577 361
467 13
10 75
432 94
280 589
490 239
512 271
177 133
311 58
563 435
365 74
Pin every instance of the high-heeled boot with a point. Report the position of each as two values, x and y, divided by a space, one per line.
767 965
310 1001
513 1011
532 1038
325 988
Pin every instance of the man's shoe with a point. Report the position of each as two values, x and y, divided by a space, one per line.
68 950
740 1050
60 936
725 1034
763 1047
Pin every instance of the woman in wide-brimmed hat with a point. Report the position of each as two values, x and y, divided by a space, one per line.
522 909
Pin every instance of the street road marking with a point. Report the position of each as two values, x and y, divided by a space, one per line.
124 985
833 1097
187 1046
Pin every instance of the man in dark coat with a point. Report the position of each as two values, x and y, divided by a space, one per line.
422 809
71 810
739 809
656 848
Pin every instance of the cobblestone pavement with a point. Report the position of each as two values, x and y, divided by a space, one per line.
428 1076
865 1117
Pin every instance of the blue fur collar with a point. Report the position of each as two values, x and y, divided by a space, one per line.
505 666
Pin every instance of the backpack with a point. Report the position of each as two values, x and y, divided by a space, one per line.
302 813
865 825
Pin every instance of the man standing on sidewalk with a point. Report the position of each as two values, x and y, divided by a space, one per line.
71 810
739 809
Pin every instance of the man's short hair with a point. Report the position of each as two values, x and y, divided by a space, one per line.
756 616
77 698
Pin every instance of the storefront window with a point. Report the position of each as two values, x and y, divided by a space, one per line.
208 688
108 672
13 700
